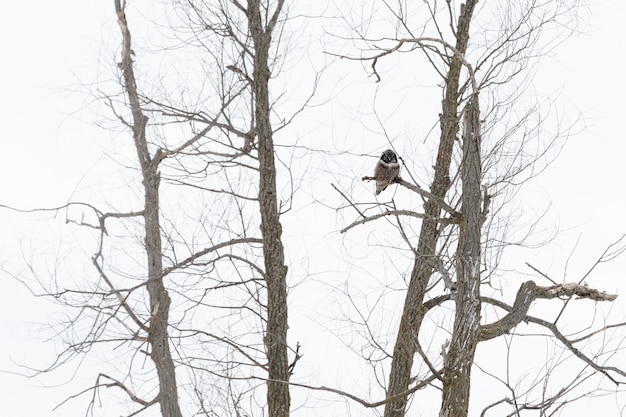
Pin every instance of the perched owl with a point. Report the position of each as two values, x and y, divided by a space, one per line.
387 170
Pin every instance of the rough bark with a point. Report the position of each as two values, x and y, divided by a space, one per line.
466 331
278 397
159 298
413 313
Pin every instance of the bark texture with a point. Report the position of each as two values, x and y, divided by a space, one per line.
278 398
413 313
466 331
159 298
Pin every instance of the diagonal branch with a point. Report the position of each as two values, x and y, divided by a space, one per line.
396 213
121 298
419 190
234 345
529 292
114 383
570 346
348 200
367 404
131 395
206 251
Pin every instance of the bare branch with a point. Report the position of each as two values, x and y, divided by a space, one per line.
422 42
208 250
131 395
368 404
423 193
569 345
122 299
529 292
396 213
348 200
236 346
541 273
114 383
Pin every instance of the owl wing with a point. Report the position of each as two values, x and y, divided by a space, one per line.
381 186
385 174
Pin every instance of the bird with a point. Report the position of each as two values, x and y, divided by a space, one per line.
386 171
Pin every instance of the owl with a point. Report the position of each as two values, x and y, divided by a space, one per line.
386 171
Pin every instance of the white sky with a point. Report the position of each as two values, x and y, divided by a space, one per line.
50 142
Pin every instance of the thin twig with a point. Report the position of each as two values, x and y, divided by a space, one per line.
348 200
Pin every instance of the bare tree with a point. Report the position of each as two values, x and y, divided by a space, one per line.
186 280
191 282
253 42
157 330
454 242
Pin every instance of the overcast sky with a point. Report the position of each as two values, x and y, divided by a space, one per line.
51 51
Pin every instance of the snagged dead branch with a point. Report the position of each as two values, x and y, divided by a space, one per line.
529 292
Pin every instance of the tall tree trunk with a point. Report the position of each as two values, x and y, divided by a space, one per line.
278 397
466 331
412 316
159 298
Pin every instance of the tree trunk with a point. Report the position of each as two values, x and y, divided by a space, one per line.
278 397
466 331
159 299
405 347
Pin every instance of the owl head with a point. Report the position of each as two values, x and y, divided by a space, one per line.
389 157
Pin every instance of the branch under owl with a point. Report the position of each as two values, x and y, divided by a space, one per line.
397 213
416 188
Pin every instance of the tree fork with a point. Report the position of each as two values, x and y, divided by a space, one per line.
410 323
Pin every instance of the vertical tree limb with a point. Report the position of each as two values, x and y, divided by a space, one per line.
278 397
466 331
405 347
159 298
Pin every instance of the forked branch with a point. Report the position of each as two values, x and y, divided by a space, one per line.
529 292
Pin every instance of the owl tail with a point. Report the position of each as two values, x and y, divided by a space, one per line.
380 187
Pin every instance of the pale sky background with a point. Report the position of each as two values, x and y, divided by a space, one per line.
52 51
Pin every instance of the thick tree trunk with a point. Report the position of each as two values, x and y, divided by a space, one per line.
405 347
159 299
465 334
278 397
